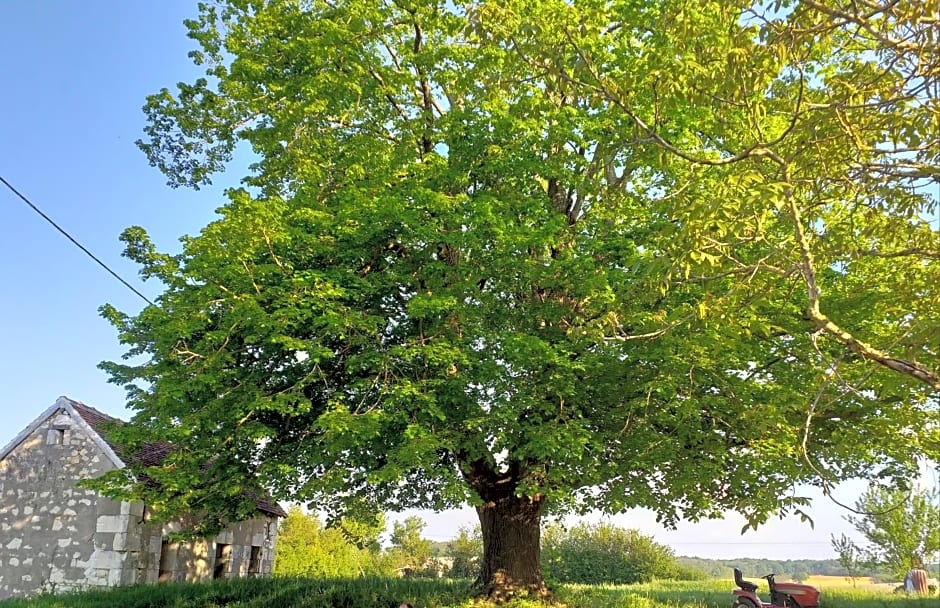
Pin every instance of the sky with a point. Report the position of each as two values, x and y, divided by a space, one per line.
73 78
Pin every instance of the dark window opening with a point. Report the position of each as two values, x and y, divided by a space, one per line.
166 570
223 556
56 436
254 564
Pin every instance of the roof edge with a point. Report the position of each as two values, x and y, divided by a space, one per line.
66 404
16 441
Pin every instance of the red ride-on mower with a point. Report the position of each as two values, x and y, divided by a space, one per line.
782 595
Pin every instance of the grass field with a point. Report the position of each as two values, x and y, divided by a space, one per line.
839 582
862 583
389 593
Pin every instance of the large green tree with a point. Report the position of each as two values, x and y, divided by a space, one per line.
544 254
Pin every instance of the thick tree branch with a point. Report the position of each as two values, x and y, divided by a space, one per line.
821 320
427 101
388 96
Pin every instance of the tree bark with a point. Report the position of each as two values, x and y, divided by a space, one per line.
511 527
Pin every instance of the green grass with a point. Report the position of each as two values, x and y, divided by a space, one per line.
265 593
717 594
389 593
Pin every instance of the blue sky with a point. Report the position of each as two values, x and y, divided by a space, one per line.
73 78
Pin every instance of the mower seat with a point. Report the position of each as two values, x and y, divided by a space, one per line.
743 584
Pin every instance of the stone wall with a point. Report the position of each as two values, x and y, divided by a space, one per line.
242 549
47 525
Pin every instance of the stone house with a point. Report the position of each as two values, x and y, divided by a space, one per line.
55 536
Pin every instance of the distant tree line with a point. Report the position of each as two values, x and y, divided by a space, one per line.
797 569
350 548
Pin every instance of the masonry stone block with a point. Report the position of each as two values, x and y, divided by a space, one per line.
126 542
98 577
112 523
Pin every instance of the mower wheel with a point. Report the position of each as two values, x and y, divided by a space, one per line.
743 602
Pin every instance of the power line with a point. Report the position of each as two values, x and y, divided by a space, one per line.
74 242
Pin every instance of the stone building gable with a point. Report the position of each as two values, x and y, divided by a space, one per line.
73 415
55 536
47 524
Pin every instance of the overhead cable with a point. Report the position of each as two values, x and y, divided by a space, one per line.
74 242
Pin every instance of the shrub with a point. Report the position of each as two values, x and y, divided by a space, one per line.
306 548
604 553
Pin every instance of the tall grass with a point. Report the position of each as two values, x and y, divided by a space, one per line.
423 593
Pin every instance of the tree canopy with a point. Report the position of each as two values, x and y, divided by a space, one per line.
537 254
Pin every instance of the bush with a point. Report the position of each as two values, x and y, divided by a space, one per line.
604 553
305 547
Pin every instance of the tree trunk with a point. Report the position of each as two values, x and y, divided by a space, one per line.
511 528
